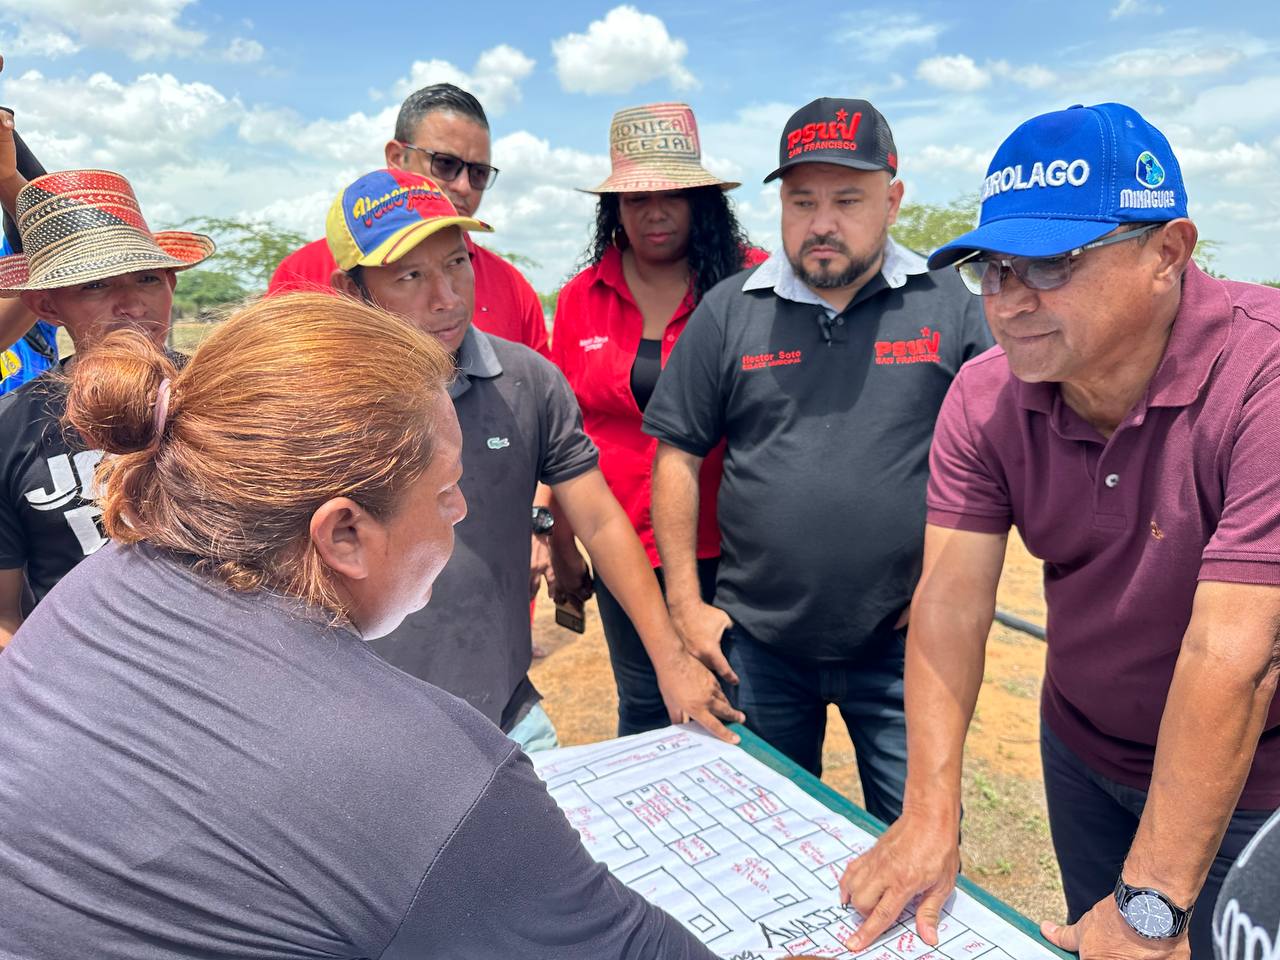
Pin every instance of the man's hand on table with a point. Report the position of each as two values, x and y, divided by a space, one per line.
918 854
1102 934
691 692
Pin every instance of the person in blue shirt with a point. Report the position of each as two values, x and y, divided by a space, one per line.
34 351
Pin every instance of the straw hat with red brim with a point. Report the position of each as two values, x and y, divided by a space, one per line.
78 226
656 147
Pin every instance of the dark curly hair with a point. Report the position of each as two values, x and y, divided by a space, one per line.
717 243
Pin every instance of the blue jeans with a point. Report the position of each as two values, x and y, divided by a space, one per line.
1093 820
785 700
640 704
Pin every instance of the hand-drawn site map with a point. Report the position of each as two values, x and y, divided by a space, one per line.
740 855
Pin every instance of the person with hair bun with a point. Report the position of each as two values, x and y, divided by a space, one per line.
202 756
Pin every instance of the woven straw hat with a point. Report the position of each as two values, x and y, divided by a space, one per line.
656 147
83 225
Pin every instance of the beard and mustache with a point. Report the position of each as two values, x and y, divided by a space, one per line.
824 278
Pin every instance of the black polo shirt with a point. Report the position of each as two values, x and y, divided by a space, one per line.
828 419
520 425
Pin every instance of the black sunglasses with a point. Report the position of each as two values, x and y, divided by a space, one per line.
445 166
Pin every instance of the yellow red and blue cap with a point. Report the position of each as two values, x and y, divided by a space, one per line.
385 214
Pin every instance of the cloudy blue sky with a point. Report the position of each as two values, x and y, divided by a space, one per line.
265 110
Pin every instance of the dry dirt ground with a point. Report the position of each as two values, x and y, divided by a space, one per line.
1006 846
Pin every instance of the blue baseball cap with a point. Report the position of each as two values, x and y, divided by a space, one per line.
1066 178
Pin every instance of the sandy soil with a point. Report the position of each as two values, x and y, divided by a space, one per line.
1006 845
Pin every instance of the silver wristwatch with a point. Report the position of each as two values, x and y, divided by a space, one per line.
1150 913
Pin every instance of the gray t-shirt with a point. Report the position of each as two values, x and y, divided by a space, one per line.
520 425
186 771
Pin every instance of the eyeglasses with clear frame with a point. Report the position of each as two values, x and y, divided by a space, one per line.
445 166
984 274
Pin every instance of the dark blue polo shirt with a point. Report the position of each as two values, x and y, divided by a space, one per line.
520 425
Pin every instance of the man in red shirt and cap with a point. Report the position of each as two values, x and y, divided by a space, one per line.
442 133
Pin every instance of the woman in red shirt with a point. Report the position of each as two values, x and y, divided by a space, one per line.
665 234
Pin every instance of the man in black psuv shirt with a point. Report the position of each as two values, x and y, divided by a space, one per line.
92 266
823 369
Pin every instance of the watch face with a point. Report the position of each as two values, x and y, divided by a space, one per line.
1149 915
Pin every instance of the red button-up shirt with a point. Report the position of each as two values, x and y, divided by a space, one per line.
594 341
506 305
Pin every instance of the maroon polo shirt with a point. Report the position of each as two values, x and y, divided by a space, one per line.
1186 489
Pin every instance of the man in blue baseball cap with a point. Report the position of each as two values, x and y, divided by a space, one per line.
1125 424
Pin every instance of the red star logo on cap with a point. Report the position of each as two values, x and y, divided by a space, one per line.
841 116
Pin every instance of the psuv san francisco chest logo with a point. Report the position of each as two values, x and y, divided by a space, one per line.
922 349
1149 172
761 361
587 344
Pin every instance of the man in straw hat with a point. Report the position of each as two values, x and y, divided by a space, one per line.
823 369
1127 427
399 244
90 265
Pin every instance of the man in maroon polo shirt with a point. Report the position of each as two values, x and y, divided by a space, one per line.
1126 424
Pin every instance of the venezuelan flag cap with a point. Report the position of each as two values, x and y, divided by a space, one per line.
385 214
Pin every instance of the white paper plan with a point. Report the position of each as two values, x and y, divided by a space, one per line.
739 854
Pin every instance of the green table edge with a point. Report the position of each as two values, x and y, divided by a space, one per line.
811 785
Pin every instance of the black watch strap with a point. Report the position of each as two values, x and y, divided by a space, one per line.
543 520
1128 896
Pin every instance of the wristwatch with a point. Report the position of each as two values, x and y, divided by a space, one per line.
1150 913
543 520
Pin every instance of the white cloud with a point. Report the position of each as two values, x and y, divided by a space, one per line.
878 36
957 73
100 121
1033 75
32 41
960 74
142 29
241 50
619 53
355 140
1250 106
933 157
494 80
1150 63
1240 163
1135 8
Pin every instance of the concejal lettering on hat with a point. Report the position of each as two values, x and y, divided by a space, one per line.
1067 178
848 133
386 213
78 226
655 147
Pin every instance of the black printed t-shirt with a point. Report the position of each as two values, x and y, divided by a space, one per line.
520 425
192 772
1246 919
827 422
48 523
